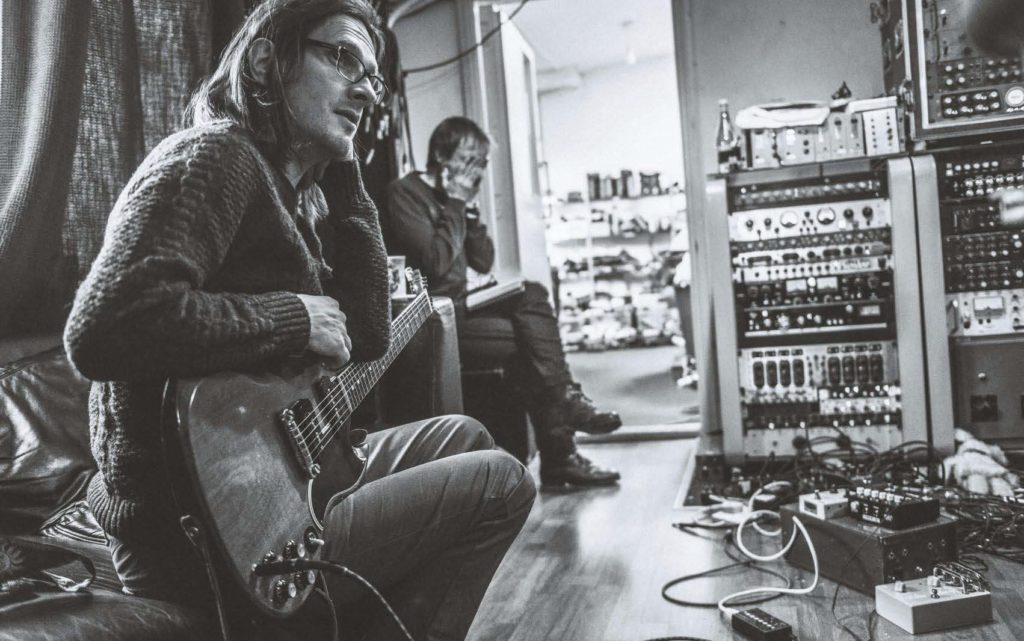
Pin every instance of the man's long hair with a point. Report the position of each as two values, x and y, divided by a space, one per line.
232 93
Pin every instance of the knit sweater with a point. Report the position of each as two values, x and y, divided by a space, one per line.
431 230
204 253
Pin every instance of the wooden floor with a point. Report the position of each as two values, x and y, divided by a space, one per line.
589 566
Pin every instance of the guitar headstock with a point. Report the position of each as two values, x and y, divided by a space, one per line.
417 284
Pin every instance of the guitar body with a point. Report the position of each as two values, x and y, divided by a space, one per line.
247 483
259 458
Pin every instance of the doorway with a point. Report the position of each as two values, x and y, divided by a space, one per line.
595 177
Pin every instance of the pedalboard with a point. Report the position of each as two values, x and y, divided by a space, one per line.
952 596
861 555
891 508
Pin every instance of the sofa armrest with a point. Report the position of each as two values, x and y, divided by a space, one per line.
45 463
424 380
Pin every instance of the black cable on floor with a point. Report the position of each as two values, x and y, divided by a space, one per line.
737 562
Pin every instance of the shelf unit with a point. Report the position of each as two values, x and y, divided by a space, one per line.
580 232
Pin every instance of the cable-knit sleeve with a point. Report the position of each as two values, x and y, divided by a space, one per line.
142 311
355 250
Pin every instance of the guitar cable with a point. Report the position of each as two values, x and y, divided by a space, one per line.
292 565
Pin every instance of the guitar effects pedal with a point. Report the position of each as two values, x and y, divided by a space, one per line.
952 596
889 507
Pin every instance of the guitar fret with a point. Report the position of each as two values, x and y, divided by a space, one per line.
359 379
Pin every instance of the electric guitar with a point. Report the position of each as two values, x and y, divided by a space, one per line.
260 457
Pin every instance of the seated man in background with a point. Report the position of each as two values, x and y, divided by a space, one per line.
433 220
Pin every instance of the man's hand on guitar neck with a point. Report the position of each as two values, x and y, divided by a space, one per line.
328 335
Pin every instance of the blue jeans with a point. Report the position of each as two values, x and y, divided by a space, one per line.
439 509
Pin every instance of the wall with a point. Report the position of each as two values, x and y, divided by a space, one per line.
755 52
621 117
424 38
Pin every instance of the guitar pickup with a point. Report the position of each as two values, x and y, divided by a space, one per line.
299 422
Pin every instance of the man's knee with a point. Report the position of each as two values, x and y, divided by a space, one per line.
471 433
514 483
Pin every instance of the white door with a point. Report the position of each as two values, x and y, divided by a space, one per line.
514 122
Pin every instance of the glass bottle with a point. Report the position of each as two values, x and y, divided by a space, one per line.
726 140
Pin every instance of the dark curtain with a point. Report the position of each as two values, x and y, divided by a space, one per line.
87 89
42 68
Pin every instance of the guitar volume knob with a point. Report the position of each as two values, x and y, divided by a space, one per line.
284 590
291 550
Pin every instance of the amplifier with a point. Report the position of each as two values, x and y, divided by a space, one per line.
891 508
861 555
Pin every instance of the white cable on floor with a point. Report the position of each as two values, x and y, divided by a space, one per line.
750 506
739 543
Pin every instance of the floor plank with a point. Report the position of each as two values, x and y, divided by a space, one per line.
589 566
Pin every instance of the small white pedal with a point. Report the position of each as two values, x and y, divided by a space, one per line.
825 505
938 602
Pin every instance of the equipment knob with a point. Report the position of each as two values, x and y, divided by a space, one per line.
749 223
848 213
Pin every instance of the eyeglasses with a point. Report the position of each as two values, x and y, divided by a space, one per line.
352 69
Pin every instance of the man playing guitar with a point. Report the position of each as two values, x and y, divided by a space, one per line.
220 255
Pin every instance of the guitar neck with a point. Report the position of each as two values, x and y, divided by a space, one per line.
357 379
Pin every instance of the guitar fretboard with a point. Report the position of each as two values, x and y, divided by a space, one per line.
346 389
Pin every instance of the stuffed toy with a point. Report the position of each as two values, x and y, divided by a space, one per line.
979 467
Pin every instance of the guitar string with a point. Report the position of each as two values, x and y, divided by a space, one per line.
342 380
346 378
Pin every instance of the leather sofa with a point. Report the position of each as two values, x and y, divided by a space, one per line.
45 465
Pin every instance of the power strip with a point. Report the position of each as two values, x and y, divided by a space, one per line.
758 625
938 602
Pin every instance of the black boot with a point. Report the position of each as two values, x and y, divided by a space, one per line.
570 406
575 469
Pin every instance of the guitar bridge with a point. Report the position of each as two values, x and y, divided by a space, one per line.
298 423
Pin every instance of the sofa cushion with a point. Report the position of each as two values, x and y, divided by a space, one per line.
45 463
99 615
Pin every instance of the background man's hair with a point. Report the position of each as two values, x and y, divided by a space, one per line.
448 135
